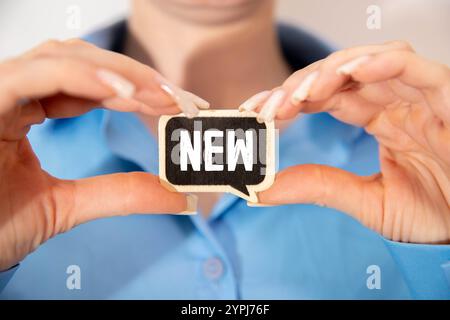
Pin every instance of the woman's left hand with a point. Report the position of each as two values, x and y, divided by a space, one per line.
400 98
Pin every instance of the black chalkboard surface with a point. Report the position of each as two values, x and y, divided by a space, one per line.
217 151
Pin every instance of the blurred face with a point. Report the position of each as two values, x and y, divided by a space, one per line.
211 11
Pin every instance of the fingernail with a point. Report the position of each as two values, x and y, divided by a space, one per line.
183 100
258 204
189 108
191 205
269 109
301 93
199 102
171 92
349 67
253 102
122 87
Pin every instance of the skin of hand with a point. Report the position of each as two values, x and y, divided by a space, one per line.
67 79
400 98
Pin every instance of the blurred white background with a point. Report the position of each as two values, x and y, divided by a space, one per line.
424 23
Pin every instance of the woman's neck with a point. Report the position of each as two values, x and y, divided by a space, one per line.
224 63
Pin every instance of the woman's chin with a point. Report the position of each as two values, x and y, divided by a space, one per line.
212 3
211 11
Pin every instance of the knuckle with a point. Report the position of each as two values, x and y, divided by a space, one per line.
404 56
320 195
62 199
67 66
64 65
48 46
343 54
401 44
337 54
407 46
77 42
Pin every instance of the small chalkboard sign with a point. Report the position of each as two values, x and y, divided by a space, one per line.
217 151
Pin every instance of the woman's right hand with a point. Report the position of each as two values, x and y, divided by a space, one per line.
67 79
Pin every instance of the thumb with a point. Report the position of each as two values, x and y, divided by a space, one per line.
361 197
119 194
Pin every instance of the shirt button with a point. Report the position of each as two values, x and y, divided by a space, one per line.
213 268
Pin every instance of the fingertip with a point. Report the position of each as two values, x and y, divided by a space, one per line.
303 90
269 198
259 204
271 105
199 102
187 105
255 101
186 204
191 205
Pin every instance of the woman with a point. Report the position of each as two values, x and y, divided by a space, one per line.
224 52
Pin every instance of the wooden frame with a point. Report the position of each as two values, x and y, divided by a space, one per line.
252 189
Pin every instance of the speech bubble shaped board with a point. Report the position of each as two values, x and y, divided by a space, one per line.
217 151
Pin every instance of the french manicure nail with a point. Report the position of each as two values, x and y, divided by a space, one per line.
258 204
349 67
199 102
182 99
122 87
167 89
302 92
170 90
191 205
253 102
188 108
269 109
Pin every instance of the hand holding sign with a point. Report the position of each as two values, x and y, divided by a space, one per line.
68 79
403 100
217 151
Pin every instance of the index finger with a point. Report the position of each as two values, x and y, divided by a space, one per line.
151 87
